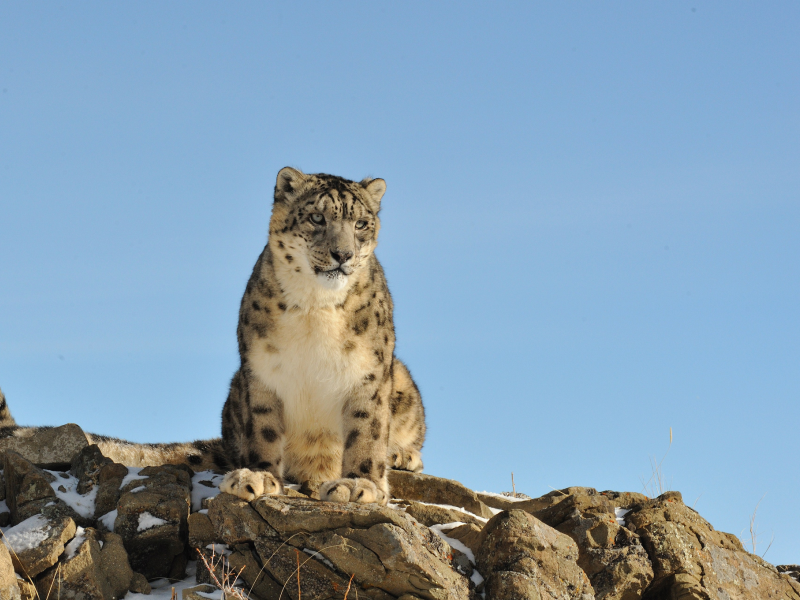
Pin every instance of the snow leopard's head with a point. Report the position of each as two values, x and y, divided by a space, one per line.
323 227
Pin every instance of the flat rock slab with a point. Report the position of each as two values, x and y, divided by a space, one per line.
436 490
37 542
48 448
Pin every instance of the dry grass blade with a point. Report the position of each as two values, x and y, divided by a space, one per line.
349 583
228 582
754 532
657 485
299 564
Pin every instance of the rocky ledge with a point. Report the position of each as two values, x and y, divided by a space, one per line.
77 525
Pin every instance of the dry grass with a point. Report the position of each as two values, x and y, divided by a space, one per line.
657 484
227 581
754 535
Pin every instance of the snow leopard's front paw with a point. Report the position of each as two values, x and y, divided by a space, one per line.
406 460
249 485
358 490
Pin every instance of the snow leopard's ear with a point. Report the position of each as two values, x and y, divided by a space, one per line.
375 189
290 182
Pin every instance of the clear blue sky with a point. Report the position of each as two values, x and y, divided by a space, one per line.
590 230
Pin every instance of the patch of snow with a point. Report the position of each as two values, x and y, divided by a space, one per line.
162 588
495 510
620 513
203 511
477 578
201 490
83 504
148 521
219 549
108 519
319 557
133 475
503 496
138 489
4 506
72 547
28 534
459 508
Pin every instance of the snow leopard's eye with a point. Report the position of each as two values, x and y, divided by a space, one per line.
361 224
317 219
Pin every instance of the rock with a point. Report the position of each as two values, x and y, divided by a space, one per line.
47 447
497 501
36 543
152 519
468 534
90 572
245 562
430 514
436 490
693 561
86 467
108 489
233 520
9 590
27 590
139 584
521 557
386 551
202 531
792 571
559 505
197 592
25 483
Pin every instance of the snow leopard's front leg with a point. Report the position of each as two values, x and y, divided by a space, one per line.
365 432
253 433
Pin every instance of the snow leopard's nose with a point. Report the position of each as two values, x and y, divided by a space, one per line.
341 256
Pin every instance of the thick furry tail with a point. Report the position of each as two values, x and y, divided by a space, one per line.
6 420
201 455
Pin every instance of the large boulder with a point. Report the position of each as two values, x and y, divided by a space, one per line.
521 557
89 570
37 542
152 518
47 447
692 561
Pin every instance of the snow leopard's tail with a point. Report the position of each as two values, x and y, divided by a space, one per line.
201 455
6 420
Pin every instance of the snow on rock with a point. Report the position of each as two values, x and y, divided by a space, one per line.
65 486
148 521
108 519
72 547
205 484
28 534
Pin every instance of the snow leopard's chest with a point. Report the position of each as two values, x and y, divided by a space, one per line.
312 363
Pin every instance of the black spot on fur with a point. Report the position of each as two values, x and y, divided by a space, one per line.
361 414
248 428
366 466
262 410
282 306
361 326
253 458
264 464
289 258
249 488
375 429
269 434
360 495
351 438
351 475
194 459
256 305
382 470
280 245
370 377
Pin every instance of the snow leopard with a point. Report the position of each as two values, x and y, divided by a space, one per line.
319 396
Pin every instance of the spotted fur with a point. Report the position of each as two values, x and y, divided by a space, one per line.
319 395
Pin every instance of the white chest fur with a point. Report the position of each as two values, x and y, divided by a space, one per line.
304 362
